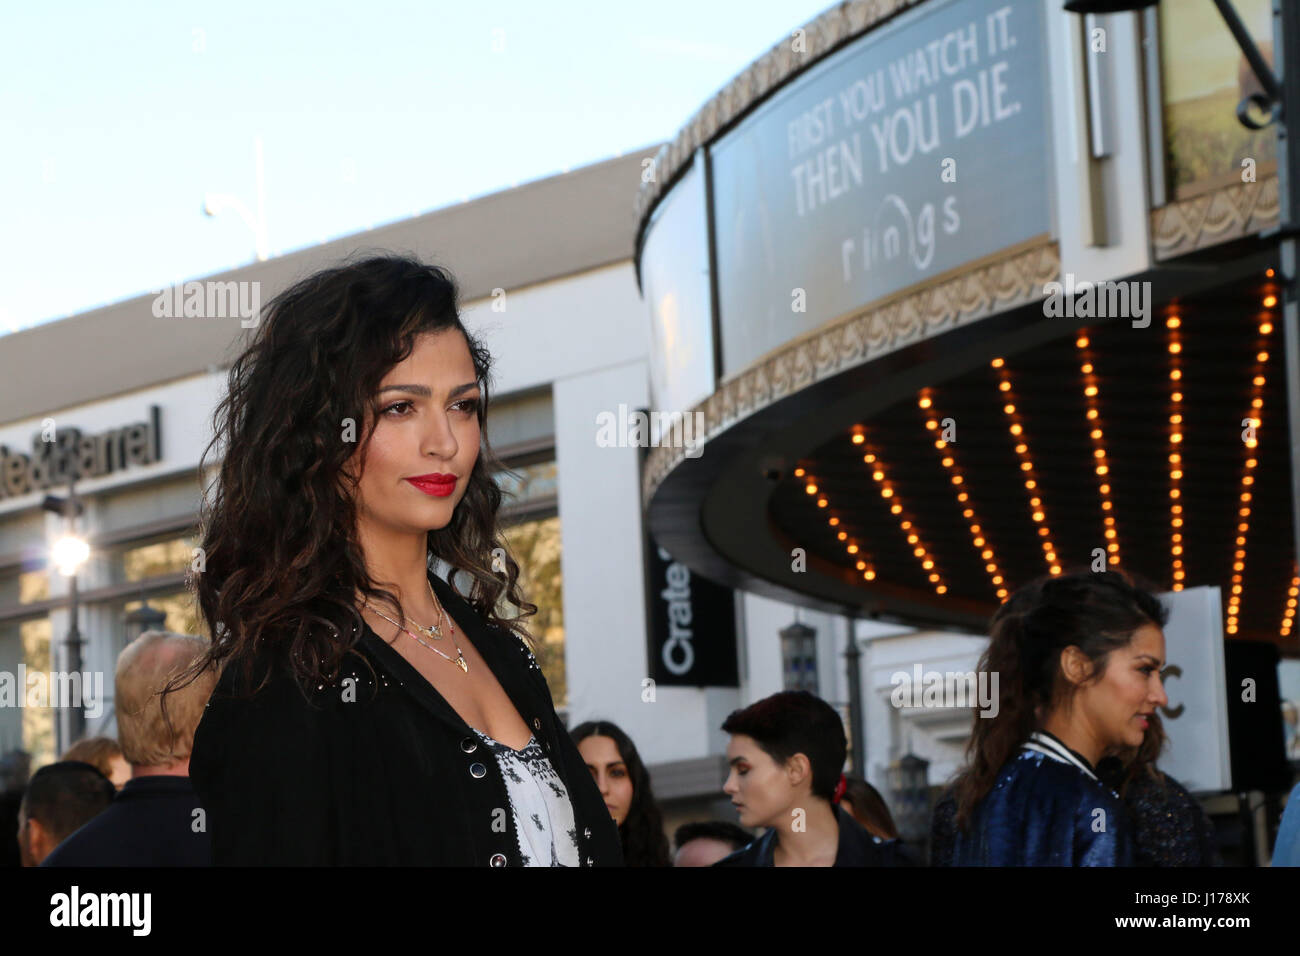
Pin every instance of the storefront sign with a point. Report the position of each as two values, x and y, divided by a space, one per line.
60 453
692 626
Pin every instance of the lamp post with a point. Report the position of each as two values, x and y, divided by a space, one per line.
1279 91
69 554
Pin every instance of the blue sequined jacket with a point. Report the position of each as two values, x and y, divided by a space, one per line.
1047 808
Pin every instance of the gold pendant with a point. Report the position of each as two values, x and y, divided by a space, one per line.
460 662
432 631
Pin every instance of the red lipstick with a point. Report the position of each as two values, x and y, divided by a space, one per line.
435 484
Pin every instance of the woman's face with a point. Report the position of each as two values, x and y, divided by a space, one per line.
601 756
427 426
760 789
1118 705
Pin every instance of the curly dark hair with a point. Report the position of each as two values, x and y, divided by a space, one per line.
642 832
1097 612
283 563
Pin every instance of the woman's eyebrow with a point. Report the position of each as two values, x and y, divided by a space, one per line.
425 392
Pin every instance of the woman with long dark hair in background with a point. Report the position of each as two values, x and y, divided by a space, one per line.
624 784
369 711
1078 658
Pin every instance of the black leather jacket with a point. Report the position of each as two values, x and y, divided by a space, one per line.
857 848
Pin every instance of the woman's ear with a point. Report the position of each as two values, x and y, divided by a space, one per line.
1075 665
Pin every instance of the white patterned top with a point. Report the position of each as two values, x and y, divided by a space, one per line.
539 803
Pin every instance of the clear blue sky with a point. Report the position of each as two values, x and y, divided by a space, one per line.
116 119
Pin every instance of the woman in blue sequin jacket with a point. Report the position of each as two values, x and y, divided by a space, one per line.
1078 658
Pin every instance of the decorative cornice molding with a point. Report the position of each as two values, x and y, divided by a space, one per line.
1214 217
821 35
980 291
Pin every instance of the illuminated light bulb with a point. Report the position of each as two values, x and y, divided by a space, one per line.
1092 413
924 403
963 496
1105 506
978 542
1270 301
1095 434
1004 386
967 513
939 443
927 564
853 549
1173 322
1050 556
941 589
868 458
810 488
1099 453
1056 569
1175 347
1177 396
1090 391
986 554
947 462
1081 341
1175 475
1021 449
1176 437
1086 368
862 565
834 522
912 539
931 424
1009 409
869 574
1262 357
905 525
1026 466
990 568
895 508
886 492
878 475
821 502
956 479
997 579
1039 516
919 552
997 363
798 472
1265 328
1258 380
1104 489
1016 429
842 535
1002 593
858 439
1176 374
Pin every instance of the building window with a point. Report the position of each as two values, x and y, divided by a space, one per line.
535 545
141 562
26 728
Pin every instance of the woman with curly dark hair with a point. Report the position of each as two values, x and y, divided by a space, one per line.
369 711
1078 657
624 784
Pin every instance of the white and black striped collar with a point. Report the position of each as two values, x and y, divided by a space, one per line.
1042 742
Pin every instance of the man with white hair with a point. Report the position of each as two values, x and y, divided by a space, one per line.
155 820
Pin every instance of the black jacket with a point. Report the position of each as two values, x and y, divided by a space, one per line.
380 772
152 821
857 848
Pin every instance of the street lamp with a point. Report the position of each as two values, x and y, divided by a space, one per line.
69 554
1272 102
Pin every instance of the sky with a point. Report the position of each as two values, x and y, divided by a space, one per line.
116 120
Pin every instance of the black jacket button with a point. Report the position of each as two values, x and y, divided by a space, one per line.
498 859
469 745
477 771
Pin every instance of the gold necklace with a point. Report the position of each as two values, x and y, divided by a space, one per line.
459 659
434 631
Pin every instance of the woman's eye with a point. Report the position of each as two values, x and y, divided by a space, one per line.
396 405
469 406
